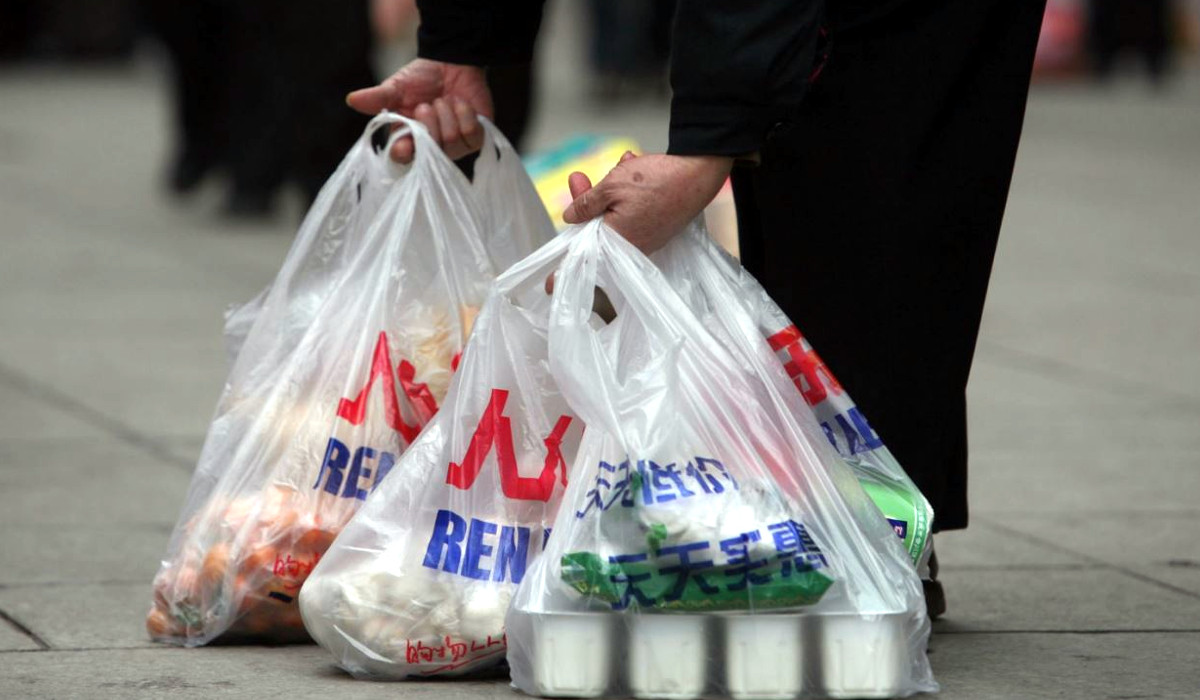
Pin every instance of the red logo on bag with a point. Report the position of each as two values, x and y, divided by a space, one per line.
419 398
495 430
804 366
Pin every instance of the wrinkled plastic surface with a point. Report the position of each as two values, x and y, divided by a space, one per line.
881 476
338 365
418 583
712 540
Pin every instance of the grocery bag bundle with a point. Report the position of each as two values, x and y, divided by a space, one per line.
419 582
712 541
337 366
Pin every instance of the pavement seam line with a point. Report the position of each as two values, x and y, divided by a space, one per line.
148 647
41 391
62 584
947 568
937 632
24 629
1034 539
1075 375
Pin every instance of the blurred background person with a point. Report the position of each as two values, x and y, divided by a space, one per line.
630 42
258 89
293 61
93 30
1143 26
196 36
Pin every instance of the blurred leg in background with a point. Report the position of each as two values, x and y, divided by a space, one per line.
18 25
328 49
91 29
1142 25
261 105
293 63
196 36
94 30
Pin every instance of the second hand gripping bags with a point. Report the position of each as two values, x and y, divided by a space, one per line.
348 354
712 542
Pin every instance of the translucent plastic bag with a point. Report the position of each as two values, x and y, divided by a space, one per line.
711 542
419 582
349 353
881 476
514 221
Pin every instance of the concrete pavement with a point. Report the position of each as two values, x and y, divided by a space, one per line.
1080 575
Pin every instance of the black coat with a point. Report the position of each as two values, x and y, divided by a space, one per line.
887 131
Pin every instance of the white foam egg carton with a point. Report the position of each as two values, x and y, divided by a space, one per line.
746 657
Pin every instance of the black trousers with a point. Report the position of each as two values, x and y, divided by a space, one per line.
292 64
873 216
197 35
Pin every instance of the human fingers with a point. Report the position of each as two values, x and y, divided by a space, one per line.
578 183
588 205
402 150
372 100
451 138
427 115
469 129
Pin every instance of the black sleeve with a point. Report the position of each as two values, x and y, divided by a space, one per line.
478 32
738 67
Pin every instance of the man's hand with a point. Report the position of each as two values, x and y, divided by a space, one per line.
649 199
445 97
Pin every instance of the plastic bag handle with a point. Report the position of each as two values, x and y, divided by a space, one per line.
599 257
496 147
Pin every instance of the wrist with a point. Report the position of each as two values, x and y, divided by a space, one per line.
712 169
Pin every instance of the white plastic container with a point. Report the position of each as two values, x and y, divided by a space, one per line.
863 656
764 656
572 654
666 656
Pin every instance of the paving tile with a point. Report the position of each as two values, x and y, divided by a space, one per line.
25 417
12 639
1069 599
82 616
1074 666
1053 420
1101 482
1186 577
213 672
186 448
87 483
982 547
1030 666
1136 539
156 383
81 553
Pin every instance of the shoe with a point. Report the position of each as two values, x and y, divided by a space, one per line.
188 171
935 595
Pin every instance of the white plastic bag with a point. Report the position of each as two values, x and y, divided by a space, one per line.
418 583
349 352
710 534
881 476
514 221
